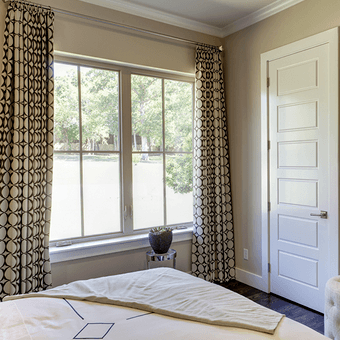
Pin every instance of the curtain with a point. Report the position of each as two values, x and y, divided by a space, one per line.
213 256
26 149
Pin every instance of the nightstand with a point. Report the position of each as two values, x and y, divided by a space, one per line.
152 256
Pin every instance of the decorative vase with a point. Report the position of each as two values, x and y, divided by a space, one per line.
160 241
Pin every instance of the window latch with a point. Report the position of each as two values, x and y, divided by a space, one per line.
63 243
125 212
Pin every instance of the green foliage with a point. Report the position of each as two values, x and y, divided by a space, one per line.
159 230
99 106
136 158
178 116
100 118
146 109
66 125
179 173
178 135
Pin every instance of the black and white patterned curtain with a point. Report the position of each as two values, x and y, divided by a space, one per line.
213 256
26 149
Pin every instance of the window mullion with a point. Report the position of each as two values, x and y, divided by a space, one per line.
164 158
81 155
126 152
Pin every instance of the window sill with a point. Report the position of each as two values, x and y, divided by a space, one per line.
111 246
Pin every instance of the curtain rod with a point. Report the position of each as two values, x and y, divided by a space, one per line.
87 17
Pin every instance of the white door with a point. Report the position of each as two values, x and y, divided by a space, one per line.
299 118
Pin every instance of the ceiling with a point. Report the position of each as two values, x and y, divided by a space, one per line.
215 17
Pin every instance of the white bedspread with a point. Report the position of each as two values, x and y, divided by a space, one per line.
173 293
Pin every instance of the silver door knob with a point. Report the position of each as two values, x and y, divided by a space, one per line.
323 214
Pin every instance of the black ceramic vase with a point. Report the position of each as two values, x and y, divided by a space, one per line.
160 241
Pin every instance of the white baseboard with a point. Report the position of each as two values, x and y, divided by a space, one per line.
251 279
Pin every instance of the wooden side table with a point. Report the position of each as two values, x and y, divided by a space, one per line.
152 256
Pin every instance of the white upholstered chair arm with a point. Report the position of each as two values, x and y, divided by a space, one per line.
332 308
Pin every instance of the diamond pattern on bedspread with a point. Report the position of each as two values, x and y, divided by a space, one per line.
94 331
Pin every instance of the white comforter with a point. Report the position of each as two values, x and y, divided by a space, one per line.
172 293
58 319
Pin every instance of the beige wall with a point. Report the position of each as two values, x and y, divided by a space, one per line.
242 67
90 38
118 263
83 37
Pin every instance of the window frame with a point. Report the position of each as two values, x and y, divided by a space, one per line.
125 160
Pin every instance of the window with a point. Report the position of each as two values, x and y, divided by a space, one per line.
122 154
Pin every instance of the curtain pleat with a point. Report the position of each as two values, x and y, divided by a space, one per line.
213 256
26 149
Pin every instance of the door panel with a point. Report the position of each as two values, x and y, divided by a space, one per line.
289 78
298 230
299 161
298 268
297 116
297 154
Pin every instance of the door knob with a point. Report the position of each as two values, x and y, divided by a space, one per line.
323 214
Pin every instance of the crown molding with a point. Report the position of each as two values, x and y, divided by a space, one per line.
152 14
261 14
157 15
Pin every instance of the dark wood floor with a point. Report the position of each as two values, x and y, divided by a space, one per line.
292 310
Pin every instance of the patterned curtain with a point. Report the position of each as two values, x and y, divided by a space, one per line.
213 239
26 149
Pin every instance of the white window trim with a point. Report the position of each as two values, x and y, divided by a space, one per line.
110 246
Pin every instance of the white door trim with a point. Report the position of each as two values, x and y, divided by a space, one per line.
329 37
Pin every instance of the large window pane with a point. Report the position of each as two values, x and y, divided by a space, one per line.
101 194
178 116
99 107
148 199
179 198
66 108
66 217
146 106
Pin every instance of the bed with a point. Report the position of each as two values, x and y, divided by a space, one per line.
161 303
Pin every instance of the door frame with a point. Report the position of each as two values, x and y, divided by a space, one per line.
330 37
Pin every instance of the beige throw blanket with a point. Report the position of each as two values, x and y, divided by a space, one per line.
173 293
